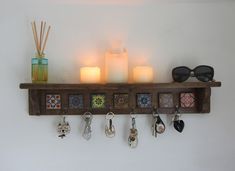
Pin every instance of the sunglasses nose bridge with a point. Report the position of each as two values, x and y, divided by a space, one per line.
192 74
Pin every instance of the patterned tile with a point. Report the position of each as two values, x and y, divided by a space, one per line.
98 101
166 100
121 100
75 101
187 100
53 101
144 100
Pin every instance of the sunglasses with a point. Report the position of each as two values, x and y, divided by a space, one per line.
202 72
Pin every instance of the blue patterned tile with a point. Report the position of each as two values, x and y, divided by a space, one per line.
144 100
75 101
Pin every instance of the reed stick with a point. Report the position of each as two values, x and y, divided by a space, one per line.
45 42
35 28
40 40
35 37
43 34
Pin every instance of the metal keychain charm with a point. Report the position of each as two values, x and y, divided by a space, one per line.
63 128
158 126
178 123
110 129
133 137
87 118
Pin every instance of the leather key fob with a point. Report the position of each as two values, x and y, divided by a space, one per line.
179 125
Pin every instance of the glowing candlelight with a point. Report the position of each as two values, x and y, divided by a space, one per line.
143 74
116 66
90 75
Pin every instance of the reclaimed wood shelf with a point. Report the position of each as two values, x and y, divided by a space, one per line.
201 92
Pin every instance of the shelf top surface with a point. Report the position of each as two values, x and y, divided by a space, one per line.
121 85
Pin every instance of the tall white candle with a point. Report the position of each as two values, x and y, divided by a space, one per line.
90 75
143 74
116 66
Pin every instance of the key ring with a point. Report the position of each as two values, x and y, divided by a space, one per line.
87 115
109 115
132 115
155 112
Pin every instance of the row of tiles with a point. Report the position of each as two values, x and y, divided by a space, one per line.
121 101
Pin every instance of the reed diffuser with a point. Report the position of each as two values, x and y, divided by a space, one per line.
39 62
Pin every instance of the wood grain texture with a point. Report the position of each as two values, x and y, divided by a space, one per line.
38 92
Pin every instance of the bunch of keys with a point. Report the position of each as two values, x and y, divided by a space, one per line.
63 128
87 118
110 129
158 126
133 137
178 124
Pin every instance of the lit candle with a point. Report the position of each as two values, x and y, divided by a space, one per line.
90 75
116 66
143 74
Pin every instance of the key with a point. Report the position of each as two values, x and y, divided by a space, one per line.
87 129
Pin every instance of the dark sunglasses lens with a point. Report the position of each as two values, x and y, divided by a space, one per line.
180 74
204 73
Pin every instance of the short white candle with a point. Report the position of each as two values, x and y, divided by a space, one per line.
143 74
90 75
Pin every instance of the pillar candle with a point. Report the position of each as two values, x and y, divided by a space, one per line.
143 74
116 66
90 75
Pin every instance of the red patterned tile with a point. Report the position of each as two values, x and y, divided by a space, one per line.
187 100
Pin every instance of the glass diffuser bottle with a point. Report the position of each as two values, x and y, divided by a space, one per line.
39 70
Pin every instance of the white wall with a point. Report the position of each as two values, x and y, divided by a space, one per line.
161 33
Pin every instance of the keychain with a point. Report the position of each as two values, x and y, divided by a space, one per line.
178 124
87 118
110 129
63 128
158 125
133 137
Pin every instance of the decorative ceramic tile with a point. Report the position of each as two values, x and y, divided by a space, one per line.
121 100
144 100
75 101
53 101
98 101
166 100
187 99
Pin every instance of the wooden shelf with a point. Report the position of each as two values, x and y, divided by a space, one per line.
38 93
118 86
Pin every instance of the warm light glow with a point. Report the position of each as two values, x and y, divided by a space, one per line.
90 75
143 74
116 66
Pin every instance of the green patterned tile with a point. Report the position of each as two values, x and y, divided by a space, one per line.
98 101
